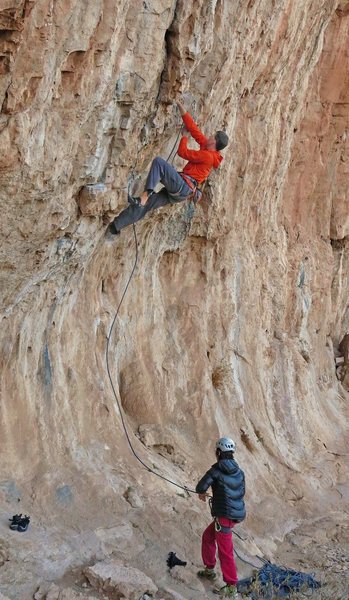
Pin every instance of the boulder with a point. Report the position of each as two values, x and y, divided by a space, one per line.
119 581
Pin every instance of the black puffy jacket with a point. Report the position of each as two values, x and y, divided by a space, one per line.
228 486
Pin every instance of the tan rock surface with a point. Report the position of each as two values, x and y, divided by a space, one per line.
235 313
56 593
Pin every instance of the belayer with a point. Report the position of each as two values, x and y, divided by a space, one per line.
227 481
178 186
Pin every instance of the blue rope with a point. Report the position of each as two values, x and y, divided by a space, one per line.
274 582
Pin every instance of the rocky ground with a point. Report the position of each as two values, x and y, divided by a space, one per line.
320 548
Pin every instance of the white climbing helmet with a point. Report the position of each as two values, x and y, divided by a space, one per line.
225 444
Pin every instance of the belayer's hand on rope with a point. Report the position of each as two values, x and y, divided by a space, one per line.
203 497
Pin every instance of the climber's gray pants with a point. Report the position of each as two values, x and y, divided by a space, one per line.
175 190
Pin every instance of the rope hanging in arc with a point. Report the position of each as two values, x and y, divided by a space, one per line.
149 469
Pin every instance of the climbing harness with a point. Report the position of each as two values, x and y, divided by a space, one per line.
221 528
196 193
190 181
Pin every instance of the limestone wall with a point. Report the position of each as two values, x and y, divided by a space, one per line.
235 313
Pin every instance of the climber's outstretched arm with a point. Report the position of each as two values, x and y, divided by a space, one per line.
191 126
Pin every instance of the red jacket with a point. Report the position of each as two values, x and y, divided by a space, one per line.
200 161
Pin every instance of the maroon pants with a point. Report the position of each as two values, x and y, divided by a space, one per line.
224 542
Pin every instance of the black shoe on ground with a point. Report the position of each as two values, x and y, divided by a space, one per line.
23 524
15 521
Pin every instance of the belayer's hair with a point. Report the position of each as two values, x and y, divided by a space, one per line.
221 140
221 454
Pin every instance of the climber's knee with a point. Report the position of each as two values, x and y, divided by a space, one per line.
159 161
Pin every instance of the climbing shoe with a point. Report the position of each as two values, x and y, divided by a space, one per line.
133 201
207 573
111 231
174 561
23 524
15 520
227 591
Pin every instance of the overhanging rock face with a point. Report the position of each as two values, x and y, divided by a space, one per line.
235 313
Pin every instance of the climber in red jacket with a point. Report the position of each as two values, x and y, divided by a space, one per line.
178 186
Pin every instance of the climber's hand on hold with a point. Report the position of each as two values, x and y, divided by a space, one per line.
202 497
181 107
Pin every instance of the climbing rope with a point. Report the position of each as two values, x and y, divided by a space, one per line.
173 147
149 469
244 560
